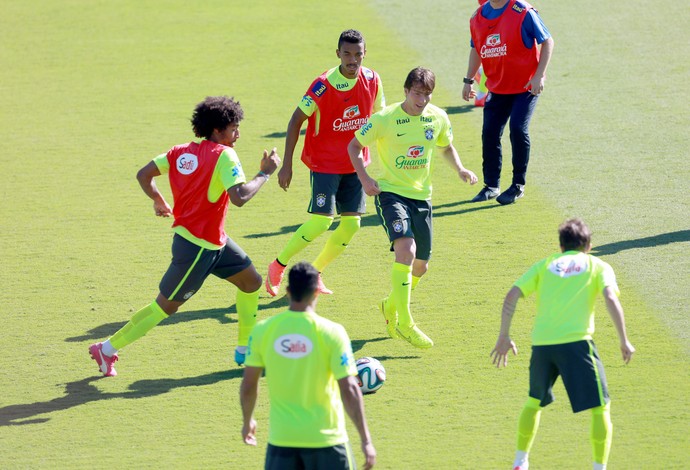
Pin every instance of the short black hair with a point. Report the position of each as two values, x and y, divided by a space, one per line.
303 280
351 36
573 234
215 112
425 78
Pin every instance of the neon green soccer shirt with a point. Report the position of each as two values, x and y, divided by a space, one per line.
304 355
566 285
405 146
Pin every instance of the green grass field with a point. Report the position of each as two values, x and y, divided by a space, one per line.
90 91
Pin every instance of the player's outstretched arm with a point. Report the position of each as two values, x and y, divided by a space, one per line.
504 344
451 155
615 309
240 194
354 406
291 138
145 178
369 184
249 391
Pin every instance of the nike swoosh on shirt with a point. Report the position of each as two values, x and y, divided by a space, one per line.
400 135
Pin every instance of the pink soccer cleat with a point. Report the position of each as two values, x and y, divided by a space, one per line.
274 277
321 288
105 363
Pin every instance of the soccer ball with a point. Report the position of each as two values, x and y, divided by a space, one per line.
370 374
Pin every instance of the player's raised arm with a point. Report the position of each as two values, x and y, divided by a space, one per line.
241 193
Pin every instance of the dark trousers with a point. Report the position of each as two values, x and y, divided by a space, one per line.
497 110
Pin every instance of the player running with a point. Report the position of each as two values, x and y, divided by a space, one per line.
336 104
204 177
406 135
566 285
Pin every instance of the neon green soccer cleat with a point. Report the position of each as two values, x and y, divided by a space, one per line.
415 337
391 317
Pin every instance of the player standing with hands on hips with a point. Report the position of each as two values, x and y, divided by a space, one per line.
311 373
506 35
205 176
566 285
336 104
407 135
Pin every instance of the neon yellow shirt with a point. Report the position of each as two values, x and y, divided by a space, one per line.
340 83
304 355
566 285
405 146
228 173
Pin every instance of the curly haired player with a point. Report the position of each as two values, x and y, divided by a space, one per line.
205 176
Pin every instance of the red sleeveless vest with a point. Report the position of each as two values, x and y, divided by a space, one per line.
191 168
507 63
342 113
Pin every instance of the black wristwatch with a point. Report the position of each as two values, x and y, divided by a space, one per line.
467 81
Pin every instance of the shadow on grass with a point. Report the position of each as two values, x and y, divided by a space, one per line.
108 329
475 207
373 220
282 135
466 108
359 343
84 391
646 242
219 314
393 358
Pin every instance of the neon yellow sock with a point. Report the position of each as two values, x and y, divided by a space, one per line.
400 295
140 324
338 241
601 433
415 281
528 423
247 305
305 234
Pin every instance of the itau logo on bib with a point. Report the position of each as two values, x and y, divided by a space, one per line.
187 163
293 346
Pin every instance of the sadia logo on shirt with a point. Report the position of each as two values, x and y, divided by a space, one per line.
567 266
415 151
187 163
293 346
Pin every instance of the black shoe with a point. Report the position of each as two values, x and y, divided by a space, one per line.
485 194
510 195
